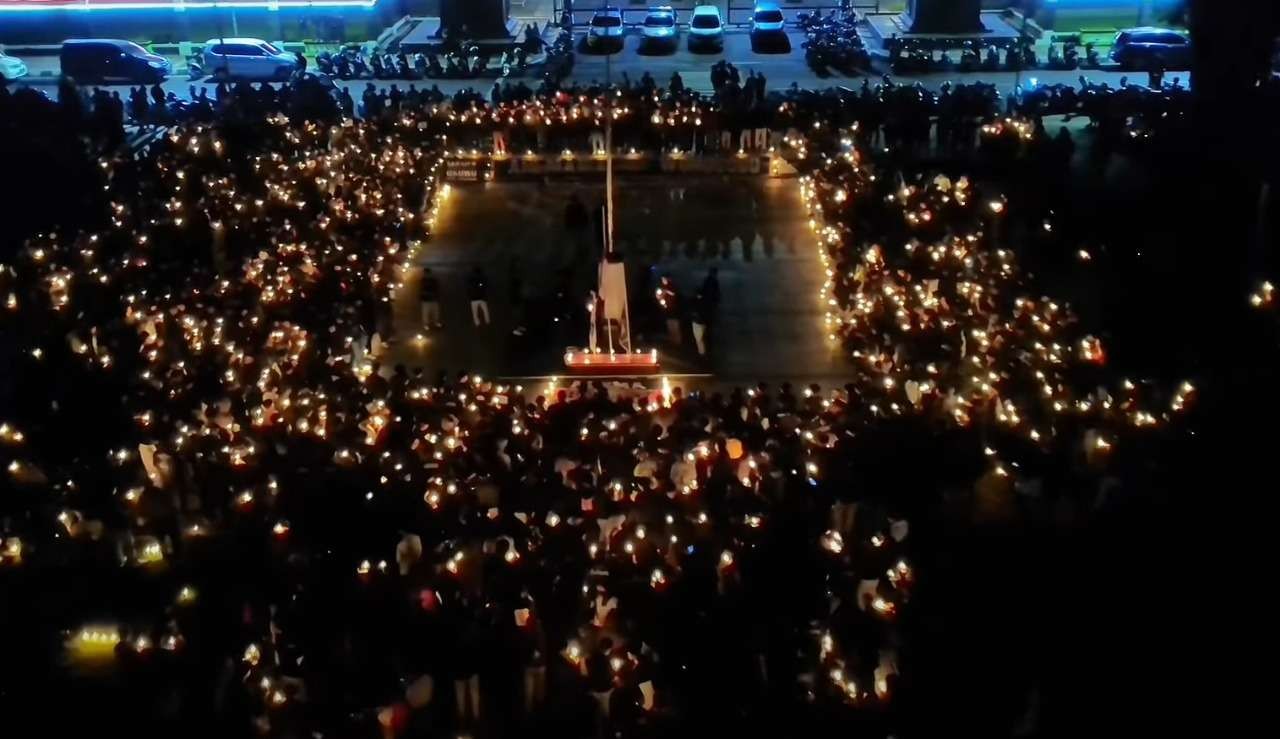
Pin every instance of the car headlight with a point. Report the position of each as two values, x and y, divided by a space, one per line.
157 64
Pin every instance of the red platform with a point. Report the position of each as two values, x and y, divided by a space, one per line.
584 362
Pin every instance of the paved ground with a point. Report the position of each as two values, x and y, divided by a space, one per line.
784 64
781 63
751 228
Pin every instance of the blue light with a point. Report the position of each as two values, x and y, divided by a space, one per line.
88 6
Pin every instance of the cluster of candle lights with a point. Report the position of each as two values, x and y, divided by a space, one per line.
944 322
235 349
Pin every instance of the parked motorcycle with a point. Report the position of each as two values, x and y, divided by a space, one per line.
1092 59
452 69
559 60
991 62
384 66
360 66
513 62
1069 58
433 66
816 57
532 43
405 70
1020 58
324 63
341 67
1055 59
833 43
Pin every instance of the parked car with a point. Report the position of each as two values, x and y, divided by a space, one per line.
250 59
112 60
660 27
705 28
606 28
11 68
767 20
1148 47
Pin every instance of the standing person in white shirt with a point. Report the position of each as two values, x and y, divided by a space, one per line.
478 293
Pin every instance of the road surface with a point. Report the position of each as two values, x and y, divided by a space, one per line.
780 68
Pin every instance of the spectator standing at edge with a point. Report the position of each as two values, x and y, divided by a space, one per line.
517 297
699 316
669 303
478 294
711 288
703 309
430 297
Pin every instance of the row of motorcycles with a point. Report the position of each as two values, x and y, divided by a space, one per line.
352 63
833 43
1069 57
907 57
456 60
1140 100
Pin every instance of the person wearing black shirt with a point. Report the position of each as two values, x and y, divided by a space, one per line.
347 103
668 300
711 288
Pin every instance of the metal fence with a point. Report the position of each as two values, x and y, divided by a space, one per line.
734 12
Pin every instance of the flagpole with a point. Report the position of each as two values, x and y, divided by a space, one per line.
608 160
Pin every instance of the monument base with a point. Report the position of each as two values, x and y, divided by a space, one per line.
944 16
921 26
996 29
426 37
621 364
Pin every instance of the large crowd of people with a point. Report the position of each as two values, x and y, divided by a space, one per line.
197 396
906 117
254 521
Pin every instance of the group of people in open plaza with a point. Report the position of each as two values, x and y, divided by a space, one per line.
233 497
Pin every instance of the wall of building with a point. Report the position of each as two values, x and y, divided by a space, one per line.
1074 15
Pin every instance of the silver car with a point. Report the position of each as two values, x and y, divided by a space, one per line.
660 27
606 28
248 58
